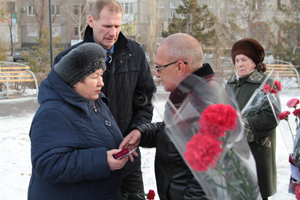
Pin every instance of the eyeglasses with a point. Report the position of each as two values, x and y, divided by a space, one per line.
161 67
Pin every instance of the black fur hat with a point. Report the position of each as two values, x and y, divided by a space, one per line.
81 62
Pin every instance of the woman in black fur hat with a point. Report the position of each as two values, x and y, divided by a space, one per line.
73 134
260 129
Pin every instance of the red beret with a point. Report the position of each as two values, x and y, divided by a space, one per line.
249 47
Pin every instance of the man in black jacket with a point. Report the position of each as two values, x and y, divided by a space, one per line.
127 81
179 59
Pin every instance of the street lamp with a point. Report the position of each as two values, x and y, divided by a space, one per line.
50 26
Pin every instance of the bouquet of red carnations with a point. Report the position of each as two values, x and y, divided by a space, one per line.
265 97
294 157
286 115
207 131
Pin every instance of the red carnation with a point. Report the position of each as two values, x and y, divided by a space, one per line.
267 88
293 159
297 112
151 195
202 151
274 91
284 115
297 192
292 103
214 131
278 85
217 119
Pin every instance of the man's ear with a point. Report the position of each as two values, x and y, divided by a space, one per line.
181 68
91 21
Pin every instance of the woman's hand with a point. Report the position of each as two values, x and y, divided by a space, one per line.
113 163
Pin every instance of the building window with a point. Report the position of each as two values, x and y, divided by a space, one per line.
30 11
159 36
256 4
78 9
292 35
76 32
279 3
128 8
55 10
294 4
12 8
56 30
159 15
32 30
172 4
183 15
161 5
172 14
210 4
182 4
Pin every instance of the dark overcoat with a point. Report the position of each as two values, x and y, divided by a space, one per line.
173 177
126 75
262 126
70 137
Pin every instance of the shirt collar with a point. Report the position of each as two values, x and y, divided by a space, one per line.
112 49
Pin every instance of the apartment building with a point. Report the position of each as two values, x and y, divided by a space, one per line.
259 27
69 19
141 17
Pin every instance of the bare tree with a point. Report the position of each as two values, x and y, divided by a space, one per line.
288 23
3 9
239 19
5 19
41 12
77 16
11 12
154 29
39 57
7 14
145 26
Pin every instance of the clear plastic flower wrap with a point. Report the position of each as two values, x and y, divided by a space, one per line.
293 114
207 130
267 96
290 132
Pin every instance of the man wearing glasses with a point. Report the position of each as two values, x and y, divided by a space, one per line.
179 59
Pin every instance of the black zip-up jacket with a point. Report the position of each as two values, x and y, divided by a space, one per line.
126 75
173 177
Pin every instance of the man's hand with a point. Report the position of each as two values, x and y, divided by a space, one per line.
131 141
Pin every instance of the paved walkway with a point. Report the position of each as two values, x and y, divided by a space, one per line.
18 106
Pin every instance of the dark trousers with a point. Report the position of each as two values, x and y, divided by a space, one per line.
132 184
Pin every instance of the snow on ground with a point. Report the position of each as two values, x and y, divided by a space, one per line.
15 166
